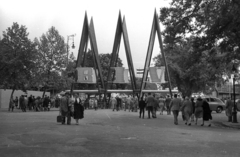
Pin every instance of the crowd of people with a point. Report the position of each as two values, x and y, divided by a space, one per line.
33 103
192 109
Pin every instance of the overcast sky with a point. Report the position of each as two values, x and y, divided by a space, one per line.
67 17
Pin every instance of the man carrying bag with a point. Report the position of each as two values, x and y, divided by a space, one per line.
64 109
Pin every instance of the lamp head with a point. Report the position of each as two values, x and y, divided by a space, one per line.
73 46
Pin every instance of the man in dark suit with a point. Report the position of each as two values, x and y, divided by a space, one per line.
175 105
142 105
150 102
65 109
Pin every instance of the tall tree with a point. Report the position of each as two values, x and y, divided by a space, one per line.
17 58
52 58
190 70
213 27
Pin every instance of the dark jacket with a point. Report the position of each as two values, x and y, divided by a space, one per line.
78 110
206 111
46 101
64 106
150 100
142 104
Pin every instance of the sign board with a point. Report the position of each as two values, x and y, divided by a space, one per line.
157 74
121 75
86 75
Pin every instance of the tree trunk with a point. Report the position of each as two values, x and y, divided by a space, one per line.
44 92
45 87
10 99
187 91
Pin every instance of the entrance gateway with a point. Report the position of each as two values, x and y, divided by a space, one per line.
118 75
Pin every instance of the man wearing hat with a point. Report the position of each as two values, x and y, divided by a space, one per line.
65 109
175 105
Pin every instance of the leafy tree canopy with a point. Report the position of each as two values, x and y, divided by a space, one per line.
214 23
17 57
190 70
201 39
52 59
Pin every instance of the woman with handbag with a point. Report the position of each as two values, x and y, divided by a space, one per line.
78 109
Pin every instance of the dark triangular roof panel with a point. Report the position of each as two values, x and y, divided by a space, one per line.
121 30
155 29
88 33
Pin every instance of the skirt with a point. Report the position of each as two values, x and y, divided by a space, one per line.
198 113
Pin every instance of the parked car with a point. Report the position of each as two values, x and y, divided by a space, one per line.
215 104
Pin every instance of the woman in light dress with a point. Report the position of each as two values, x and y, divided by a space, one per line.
187 110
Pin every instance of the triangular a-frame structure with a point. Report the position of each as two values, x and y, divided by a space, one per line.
155 29
88 34
121 30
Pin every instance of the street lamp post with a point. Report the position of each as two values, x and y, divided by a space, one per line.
68 38
234 113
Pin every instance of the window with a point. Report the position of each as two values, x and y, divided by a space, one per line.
212 100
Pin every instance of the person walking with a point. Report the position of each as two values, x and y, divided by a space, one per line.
118 99
86 103
45 103
193 109
167 104
127 103
135 103
57 102
95 103
198 109
37 104
131 104
64 109
16 102
187 110
21 102
150 101
206 113
33 103
11 104
229 108
78 109
25 103
175 105
142 105
113 103
161 104
155 106
91 103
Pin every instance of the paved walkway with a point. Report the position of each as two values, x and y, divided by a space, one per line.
105 133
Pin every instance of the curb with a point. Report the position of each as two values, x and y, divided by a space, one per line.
227 125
